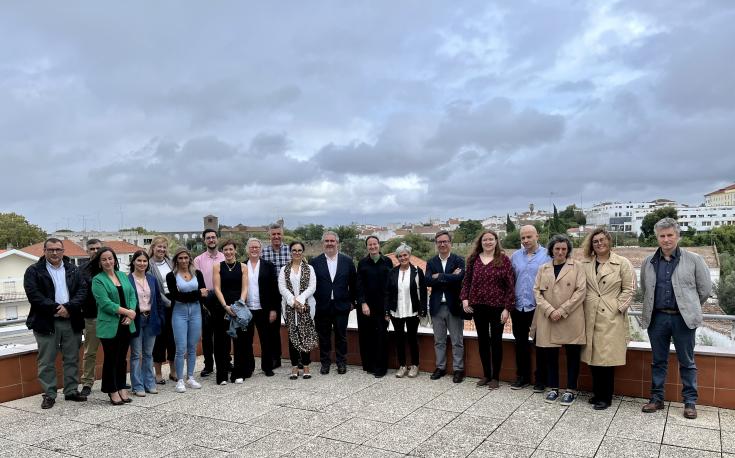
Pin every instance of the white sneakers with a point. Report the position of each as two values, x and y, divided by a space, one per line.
413 372
401 372
239 381
181 387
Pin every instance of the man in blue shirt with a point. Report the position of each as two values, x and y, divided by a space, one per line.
526 263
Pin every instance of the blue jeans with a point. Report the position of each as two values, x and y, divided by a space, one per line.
186 322
662 328
141 376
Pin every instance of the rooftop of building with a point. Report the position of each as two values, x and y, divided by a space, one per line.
71 249
730 188
356 415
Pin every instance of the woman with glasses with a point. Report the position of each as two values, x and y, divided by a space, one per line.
610 288
187 289
405 301
560 289
297 283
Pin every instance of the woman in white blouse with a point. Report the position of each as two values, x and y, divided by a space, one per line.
297 283
405 301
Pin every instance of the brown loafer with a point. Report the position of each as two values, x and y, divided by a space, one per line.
690 411
653 406
493 384
483 381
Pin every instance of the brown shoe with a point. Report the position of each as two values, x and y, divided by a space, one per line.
493 384
483 381
690 411
652 406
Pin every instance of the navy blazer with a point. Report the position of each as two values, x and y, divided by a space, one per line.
447 283
158 317
344 285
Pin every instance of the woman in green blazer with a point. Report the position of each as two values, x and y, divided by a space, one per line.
116 305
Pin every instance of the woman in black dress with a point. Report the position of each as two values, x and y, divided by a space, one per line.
230 285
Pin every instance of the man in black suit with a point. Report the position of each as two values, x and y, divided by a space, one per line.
263 301
444 274
335 296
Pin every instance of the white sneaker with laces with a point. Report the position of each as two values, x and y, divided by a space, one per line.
180 387
413 372
401 372
239 381
193 383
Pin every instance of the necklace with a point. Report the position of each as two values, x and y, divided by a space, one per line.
233 266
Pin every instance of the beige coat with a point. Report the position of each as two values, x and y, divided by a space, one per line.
609 294
565 293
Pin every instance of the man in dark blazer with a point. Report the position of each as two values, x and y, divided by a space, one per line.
336 292
444 274
263 300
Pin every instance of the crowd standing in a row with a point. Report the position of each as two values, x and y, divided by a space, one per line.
165 304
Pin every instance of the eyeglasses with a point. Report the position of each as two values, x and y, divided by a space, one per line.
297 251
442 242
53 250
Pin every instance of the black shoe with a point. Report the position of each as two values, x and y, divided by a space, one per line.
276 363
324 370
47 402
76 397
341 369
269 373
438 373
206 372
458 377
86 391
379 374
519 384
601 405
592 400
539 388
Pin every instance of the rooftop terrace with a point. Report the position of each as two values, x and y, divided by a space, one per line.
356 415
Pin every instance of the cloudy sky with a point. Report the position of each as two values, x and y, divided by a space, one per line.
157 113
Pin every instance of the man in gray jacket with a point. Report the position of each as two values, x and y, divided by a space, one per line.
675 283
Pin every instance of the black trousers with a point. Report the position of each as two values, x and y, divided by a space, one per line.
552 359
521 327
328 321
222 343
409 335
373 336
207 333
603 382
260 322
298 358
274 338
165 348
489 338
115 364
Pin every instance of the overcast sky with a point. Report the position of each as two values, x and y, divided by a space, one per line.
157 113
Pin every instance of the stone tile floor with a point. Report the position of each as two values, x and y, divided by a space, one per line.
356 415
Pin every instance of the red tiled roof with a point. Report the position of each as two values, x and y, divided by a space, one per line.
118 246
728 188
71 249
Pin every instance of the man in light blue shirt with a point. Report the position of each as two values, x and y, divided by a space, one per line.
526 263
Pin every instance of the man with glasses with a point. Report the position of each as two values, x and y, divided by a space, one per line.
204 263
56 292
89 311
444 274
335 296
278 254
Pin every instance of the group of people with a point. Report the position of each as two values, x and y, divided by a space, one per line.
162 308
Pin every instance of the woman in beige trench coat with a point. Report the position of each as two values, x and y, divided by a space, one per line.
559 318
610 287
